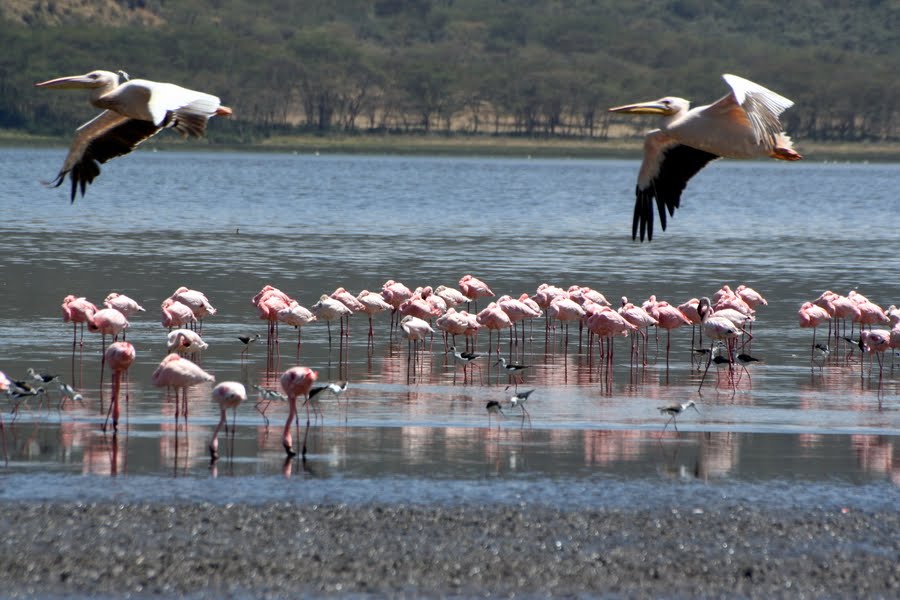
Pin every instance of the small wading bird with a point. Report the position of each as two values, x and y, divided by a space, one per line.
134 111
743 124
493 408
512 370
518 400
673 410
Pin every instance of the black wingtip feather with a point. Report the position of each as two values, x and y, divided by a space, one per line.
678 164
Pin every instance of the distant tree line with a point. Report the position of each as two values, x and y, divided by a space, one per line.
528 68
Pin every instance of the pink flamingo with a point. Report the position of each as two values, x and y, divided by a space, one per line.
176 314
437 304
395 294
185 341
122 303
606 324
120 356
179 373
718 328
328 309
750 296
451 296
638 317
668 317
77 310
295 382
107 321
416 306
350 301
414 330
296 316
473 289
518 310
269 303
877 341
811 316
493 319
228 394
581 293
566 310
197 302
373 303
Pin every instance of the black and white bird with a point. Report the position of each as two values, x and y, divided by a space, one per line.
518 400
266 397
511 369
247 340
41 378
673 410
493 408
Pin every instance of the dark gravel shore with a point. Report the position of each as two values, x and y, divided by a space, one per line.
208 550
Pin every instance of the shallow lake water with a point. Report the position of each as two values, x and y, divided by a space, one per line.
229 223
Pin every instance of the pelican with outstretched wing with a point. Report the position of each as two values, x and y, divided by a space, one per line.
134 111
743 124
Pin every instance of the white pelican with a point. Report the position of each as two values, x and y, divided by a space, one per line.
133 112
743 124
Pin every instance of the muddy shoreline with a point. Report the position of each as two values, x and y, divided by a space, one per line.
206 550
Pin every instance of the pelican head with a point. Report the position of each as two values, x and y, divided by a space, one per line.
92 80
664 106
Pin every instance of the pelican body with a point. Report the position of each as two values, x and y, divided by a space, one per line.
743 124
133 111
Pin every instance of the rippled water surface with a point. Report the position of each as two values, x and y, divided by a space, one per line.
229 223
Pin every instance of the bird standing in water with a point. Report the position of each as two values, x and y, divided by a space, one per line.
673 410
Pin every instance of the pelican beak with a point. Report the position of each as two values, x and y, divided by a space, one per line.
643 108
75 82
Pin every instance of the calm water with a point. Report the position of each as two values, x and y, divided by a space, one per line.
227 224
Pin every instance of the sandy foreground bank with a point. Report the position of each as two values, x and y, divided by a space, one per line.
276 550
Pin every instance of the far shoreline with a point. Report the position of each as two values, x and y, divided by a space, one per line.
459 145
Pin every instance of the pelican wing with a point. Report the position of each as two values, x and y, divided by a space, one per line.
666 169
185 110
103 138
753 105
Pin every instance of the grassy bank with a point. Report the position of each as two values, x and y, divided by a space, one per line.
466 145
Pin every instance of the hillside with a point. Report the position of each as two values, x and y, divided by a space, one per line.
531 68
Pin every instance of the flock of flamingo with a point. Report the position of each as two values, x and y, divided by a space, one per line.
725 319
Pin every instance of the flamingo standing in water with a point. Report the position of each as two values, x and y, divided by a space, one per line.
295 382
77 310
473 289
811 316
228 394
493 318
176 314
395 294
373 303
197 302
668 317
185 341
296 316
717 328
451 296
414 330
328 309
565 309
120 356
179 373
122 303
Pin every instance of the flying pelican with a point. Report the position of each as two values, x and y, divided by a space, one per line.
742 124
134 111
